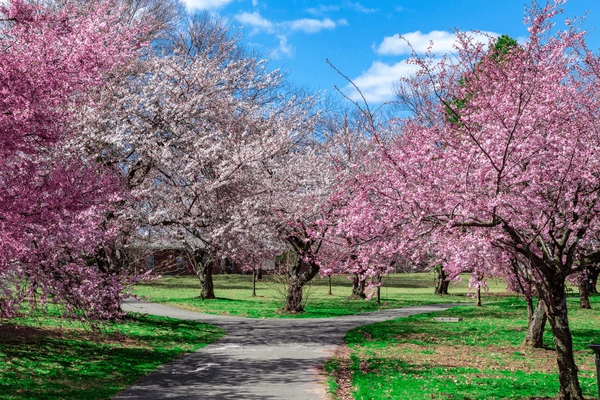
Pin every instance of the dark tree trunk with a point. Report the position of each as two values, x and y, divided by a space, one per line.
441 286
530 309
254 278
296 279
595 271
378 289
204 272
206 281
584 294
293 300
358 287
478 297
296 282
103 261
584 289
554 299
329 279
535 328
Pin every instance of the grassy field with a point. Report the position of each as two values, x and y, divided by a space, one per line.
234 295
49 358
413 358
478 358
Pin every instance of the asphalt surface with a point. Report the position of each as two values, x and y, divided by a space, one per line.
263 359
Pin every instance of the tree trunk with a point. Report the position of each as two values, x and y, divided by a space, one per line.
530 308
296 279
204 271
378 289
330 292
293 300
554 299
535 328
478 297
103 261
254 277
584 294
595 271
358 287
441 286
296 282
584 289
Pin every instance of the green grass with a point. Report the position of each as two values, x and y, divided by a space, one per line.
49 358
234 295
478 358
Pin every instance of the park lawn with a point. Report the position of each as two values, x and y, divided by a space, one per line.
234 295
45 357
478 358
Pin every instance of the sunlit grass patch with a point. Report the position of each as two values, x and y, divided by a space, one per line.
234 295
478 358
49 358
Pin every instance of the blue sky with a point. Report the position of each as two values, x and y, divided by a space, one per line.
361 37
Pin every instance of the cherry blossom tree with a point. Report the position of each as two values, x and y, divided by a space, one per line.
513 176
295 187
415 94
194 129
52 198
351 147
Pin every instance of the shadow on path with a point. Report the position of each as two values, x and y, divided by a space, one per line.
257 359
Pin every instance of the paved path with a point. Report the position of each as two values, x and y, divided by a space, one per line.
263 359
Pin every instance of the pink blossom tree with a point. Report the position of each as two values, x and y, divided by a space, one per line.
415 94
349 251
52 198
513 176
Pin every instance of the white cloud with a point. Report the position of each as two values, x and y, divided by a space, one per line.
284 50
206 4
254 3
256 21
306 25
443 42
377 83
356 6
322 9
309 25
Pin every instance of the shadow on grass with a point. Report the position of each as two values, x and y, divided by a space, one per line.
380 373
51 363
56 368
415 381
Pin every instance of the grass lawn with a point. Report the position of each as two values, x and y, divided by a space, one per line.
478 358
50 358
234 295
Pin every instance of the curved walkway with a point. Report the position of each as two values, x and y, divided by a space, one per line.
263 359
